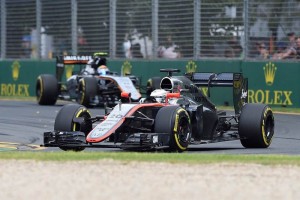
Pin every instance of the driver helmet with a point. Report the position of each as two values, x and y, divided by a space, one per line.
102 70
159 95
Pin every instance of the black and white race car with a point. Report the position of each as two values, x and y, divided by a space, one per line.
172 117
93 85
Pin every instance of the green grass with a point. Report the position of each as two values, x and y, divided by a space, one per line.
153 157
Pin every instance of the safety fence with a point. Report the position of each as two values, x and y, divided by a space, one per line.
150 29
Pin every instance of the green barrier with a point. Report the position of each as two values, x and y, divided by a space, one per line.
269 82
273 83
17 78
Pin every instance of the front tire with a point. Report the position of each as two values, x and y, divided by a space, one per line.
175 121
87 90
64 121
46 89
256 126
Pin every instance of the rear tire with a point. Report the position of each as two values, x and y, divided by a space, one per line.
88 87
175 121
46 89
256 126
64 122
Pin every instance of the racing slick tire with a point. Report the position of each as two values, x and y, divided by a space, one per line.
256 126
175 121
46 89
153 84
87 90
64 121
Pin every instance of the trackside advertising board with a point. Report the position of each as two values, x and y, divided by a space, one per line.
273 83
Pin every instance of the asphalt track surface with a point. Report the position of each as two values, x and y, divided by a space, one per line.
22 124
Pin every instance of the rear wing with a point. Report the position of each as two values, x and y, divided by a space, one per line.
234 80
61 61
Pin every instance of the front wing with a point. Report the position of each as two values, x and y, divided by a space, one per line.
136 141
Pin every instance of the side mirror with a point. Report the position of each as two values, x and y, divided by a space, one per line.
126 96
171 95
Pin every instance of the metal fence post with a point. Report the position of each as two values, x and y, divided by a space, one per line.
38 10
246 29
3 29
154 27
197 26
112 28
74 27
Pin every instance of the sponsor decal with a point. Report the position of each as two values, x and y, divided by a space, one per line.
276 97
77 58
270 70
269 96
112 120
12 89
126 68
176 121
204 90
191 67
21 90
15 70
69 70
237 84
